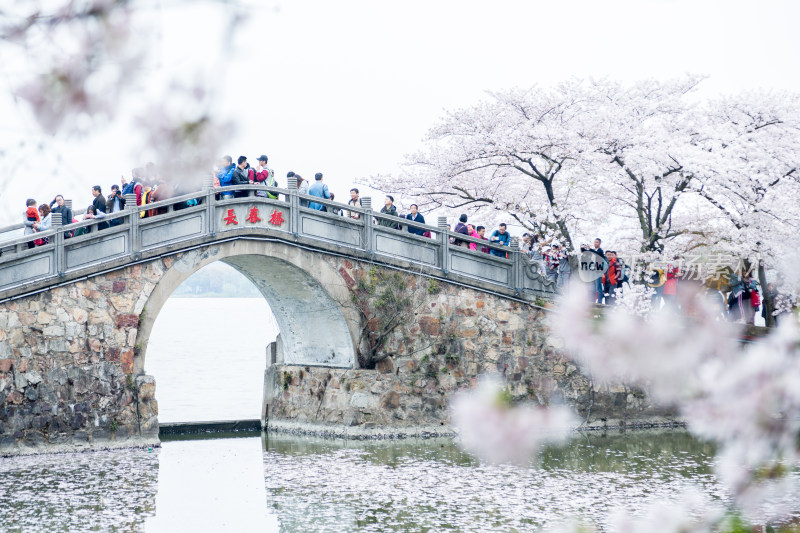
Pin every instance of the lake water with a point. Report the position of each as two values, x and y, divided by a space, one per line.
283 483
208 359
208 356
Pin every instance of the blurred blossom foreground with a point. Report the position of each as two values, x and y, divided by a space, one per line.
498 432
744 398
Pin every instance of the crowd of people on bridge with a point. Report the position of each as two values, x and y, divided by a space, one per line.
548 257
146 184
227 174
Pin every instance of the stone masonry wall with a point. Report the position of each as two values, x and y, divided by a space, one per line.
66 365
455 335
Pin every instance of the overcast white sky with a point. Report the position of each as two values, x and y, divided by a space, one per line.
347 88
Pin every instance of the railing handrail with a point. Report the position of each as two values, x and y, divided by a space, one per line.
27 238
12 227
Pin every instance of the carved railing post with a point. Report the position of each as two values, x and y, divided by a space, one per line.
58 240
444 239
366 203
211 205
294 206
516 265
135 241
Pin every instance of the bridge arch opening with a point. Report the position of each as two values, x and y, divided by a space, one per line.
206 349
306 295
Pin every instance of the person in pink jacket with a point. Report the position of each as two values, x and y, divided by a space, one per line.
474 234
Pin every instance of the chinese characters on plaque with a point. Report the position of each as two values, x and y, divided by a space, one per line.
276 218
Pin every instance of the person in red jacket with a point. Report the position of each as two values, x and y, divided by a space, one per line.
671 284
265 176
611 276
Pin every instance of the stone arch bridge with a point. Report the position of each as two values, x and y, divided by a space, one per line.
76 313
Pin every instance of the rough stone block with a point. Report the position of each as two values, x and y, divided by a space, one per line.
80 315
147 391
14 398
127 361
6 364
112 354
99 317
119 286
57 345
34 438
44 318
127 321
386 366
391 400
20 382
430 326
362 400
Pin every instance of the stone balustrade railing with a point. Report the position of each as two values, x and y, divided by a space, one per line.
83 248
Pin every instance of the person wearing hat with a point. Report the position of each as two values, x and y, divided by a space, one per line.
265 176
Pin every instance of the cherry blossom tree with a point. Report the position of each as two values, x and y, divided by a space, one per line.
649 155
753 178
522 154
662 169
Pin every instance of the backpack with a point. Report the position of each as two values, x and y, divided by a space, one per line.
268 182
271 182
145 200
755 299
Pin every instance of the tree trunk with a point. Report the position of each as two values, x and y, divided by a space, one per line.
766 297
